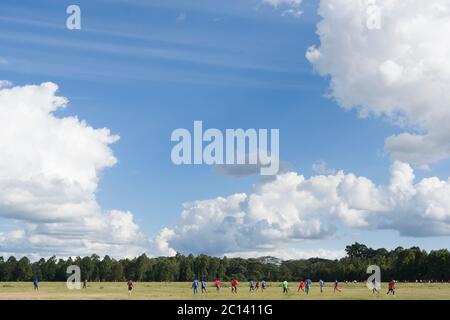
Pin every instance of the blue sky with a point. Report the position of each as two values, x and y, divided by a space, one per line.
145 68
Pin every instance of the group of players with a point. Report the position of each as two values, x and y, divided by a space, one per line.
304 286
254 286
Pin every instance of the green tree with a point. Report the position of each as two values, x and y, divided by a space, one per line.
105 269
117 271
22 270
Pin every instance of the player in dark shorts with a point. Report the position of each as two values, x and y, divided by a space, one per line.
321 284
36 284
285 286
308 284
130 287
234 286
391 287
85 284
301 286
257 286
252 285
336 287
263 285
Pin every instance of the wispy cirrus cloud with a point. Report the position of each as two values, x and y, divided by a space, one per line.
277 3
290 7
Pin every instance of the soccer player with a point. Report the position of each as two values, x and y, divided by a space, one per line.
263 285
85 284
218 285
195 286
321 284
203 287
301 286
234 286
285 287
252 285
308 283
130 287
336 287
257 286
391 287
36 284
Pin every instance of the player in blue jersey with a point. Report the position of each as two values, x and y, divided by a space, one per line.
252 285
36 284
308 284
195 286
203 287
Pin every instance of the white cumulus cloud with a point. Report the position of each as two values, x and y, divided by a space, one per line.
390 59
49 174
291 208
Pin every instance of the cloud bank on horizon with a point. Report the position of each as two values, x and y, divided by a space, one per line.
292 208
49 171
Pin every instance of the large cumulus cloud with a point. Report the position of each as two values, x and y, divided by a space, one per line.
291 208
390 58
49 172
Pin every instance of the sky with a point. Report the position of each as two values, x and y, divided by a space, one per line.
358 89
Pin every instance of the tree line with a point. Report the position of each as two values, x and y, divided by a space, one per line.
401 264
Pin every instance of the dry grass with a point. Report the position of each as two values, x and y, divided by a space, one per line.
180 291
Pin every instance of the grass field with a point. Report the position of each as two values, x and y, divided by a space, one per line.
179 291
